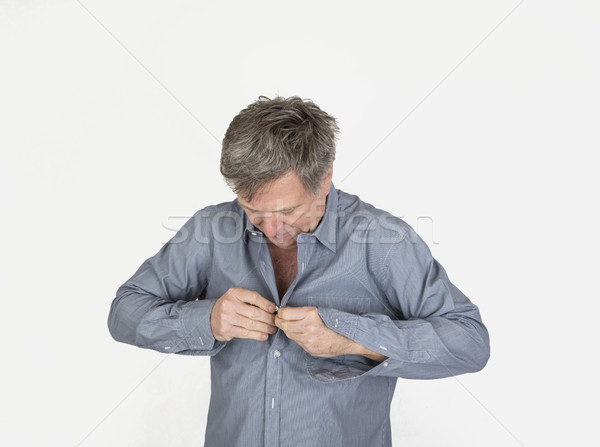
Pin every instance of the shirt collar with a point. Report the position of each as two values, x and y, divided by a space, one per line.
249 229
326 231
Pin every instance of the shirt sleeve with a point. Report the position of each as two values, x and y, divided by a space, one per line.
161 306
436 331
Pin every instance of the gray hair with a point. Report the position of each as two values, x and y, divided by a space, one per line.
272 137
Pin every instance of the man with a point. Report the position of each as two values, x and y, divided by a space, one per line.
309 301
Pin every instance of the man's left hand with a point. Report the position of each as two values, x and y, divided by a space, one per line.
305 327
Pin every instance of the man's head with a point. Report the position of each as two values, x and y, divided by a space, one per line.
273 137
278 158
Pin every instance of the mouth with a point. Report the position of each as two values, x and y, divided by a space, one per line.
284 237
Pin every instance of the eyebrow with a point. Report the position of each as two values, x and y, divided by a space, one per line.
289 208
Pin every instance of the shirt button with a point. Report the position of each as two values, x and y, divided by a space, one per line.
277 353
253 233
385 364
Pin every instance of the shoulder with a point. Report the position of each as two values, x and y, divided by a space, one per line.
226 213
359 219
223 219
219 209
383 241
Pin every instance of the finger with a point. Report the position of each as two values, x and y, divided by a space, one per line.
290 327
253 325
240 332
255 313
295 313
254 298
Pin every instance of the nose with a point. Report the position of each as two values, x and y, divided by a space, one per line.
270 225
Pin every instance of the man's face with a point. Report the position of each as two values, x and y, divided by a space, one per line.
284 208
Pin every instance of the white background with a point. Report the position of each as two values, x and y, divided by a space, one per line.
111 116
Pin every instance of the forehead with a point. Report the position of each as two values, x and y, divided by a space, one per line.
284 193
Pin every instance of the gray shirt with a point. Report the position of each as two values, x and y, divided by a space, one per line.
371 277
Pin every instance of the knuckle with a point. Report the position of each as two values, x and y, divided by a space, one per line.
227 305
230 292
234 293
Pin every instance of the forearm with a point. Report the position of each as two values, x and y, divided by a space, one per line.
357 349
420 348
166 326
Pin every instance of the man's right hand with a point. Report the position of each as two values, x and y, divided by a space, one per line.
242 313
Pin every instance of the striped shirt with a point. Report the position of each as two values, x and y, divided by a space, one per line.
372 279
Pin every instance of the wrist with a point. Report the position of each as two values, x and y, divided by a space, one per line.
358 349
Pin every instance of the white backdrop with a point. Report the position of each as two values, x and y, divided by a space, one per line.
481 116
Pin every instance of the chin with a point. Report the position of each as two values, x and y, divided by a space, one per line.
285 243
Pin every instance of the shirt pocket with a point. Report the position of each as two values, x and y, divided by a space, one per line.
340 369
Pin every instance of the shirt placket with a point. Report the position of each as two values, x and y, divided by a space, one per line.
272 398
273 369
276 354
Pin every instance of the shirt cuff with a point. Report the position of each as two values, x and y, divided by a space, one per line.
196 323
343 323
377 333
